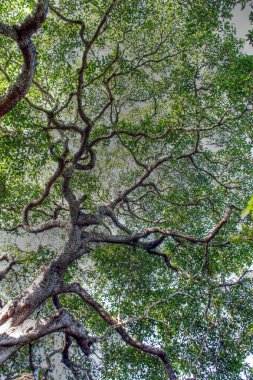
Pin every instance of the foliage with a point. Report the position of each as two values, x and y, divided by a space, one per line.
123 173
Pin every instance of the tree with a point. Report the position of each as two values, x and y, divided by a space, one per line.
129 160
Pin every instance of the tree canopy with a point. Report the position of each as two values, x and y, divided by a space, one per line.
125 162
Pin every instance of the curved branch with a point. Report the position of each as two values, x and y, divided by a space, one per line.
11 262
121 197
14 338
88 46
136 238
71 21
90 164
144 347
38 201
22 36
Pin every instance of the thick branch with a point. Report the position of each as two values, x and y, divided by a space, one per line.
15 337
156 351
132 239
11 262
22 36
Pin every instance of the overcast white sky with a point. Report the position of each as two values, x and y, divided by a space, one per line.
242 24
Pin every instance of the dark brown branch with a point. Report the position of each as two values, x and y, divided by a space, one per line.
122 196
155 351
129 133
210 174
88 45
58 125
71 21
133 239
22 36
65 356
109 212
90 164
10 229
14 315
12 339
38 201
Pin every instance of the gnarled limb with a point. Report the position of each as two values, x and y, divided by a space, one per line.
156 351
10 263
14 337
21 34
132 239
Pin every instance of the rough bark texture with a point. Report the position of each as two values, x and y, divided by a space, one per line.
22 34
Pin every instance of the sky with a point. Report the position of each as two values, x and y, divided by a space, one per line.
242 24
